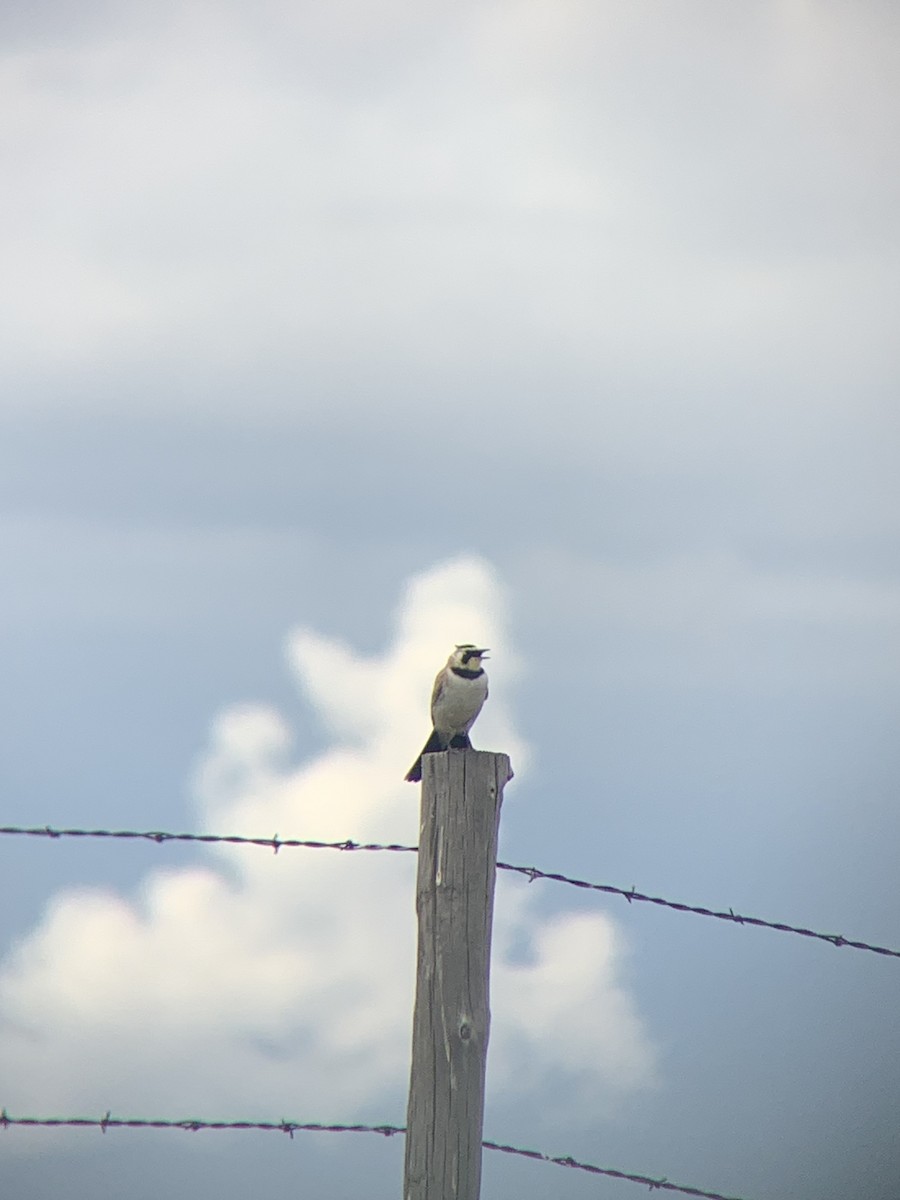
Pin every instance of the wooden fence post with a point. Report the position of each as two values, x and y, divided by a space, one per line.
462 791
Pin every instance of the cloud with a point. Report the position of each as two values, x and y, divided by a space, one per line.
485 202
250 984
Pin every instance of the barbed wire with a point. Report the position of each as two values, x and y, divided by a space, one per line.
291 1127
276 843
629 894
159 837
108 1121
663 1184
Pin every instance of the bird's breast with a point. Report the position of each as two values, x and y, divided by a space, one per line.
459 703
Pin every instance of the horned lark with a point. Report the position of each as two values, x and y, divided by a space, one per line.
460 690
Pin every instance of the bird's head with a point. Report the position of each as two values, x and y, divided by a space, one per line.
468 657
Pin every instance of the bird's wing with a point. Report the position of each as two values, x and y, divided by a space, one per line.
437 689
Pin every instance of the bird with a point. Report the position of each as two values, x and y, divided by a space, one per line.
460 689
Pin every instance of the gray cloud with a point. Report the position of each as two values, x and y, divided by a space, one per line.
298 299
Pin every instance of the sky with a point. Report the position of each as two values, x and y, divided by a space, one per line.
332 336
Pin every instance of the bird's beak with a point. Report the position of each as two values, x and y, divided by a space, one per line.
482 653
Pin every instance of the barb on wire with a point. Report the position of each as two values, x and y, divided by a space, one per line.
107 1121
531 873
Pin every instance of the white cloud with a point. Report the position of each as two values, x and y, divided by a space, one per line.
574 1015
254 984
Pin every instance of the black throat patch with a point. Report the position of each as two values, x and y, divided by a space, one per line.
464 674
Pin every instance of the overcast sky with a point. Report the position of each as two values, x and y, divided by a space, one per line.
333 335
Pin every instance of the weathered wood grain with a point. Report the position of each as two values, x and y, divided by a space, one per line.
462 791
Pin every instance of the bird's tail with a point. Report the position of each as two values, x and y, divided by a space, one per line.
432 746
